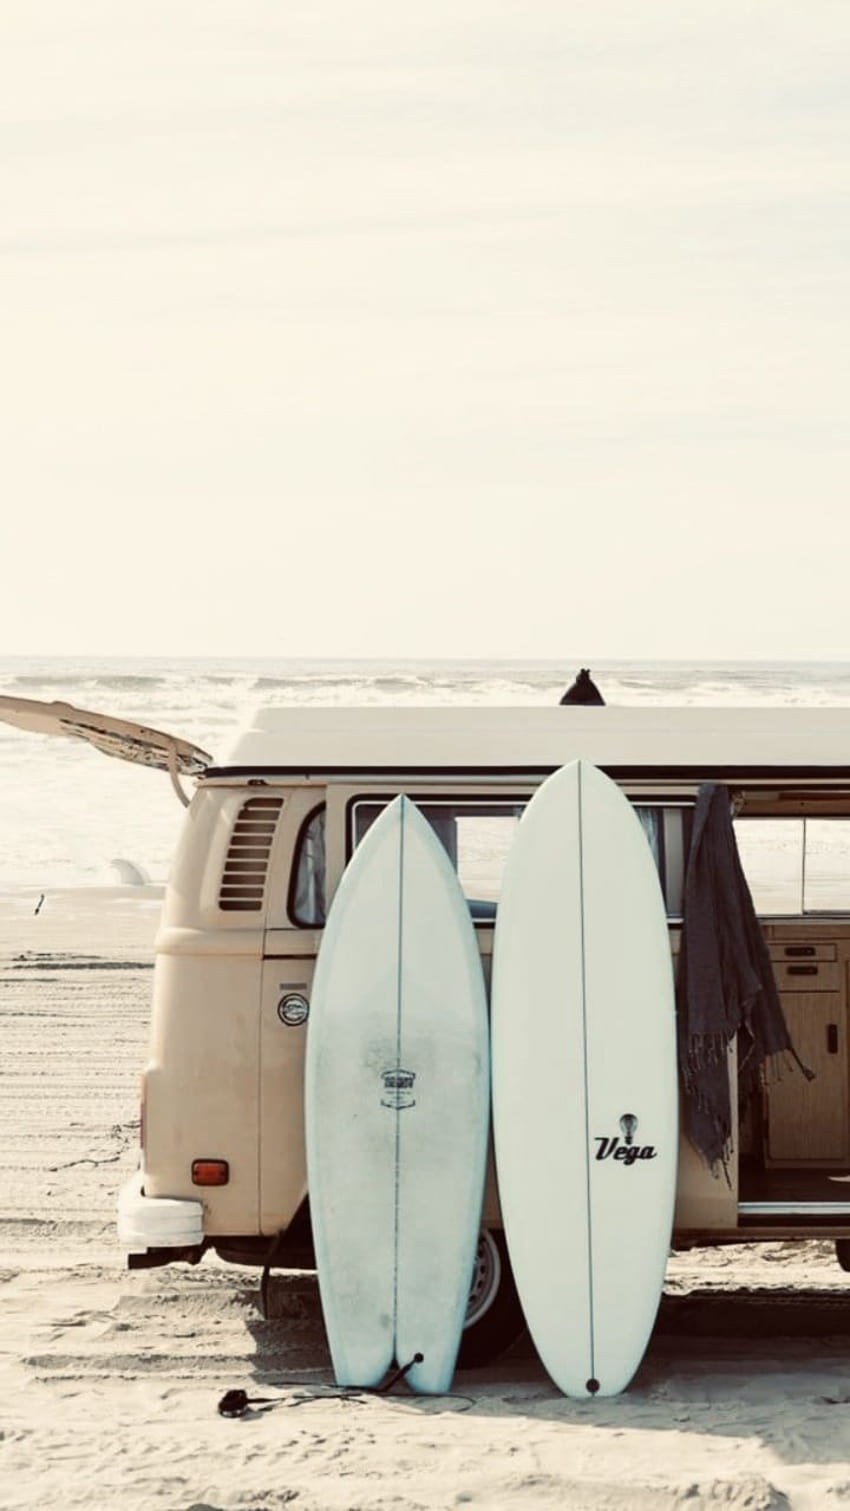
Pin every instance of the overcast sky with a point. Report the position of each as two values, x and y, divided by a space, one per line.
461 327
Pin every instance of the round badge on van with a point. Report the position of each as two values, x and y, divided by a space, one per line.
293 1009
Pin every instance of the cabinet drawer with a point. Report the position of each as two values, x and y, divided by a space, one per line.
802 950
807 975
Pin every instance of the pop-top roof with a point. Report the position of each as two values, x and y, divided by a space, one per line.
314 740
300 739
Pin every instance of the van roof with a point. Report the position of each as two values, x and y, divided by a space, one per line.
642 742
663 740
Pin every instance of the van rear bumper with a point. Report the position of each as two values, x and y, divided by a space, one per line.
157 1222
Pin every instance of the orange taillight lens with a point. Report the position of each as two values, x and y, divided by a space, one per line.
210 1172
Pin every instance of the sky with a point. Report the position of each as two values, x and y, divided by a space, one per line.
461 328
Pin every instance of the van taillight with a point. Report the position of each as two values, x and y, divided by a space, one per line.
210 1172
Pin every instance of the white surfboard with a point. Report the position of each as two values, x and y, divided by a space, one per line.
585 1090
397 1107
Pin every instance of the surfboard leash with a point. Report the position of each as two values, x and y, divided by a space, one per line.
235 1403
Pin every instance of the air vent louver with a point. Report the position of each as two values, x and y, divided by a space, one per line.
243 884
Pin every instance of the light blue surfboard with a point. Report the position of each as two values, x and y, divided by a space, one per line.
396 1106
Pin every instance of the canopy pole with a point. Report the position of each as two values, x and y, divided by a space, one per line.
171 754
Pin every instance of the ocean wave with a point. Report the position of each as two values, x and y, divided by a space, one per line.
48 679
225 679
128 680
274 684
330 681
87 680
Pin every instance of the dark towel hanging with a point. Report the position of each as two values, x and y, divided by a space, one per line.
725 982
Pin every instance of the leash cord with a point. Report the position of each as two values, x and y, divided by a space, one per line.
235 1403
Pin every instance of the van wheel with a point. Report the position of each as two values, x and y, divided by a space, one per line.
842 1252
494 1317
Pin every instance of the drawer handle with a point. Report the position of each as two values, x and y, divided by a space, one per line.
802 970
799 949
832 1038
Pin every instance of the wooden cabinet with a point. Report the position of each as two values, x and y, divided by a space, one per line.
808 1120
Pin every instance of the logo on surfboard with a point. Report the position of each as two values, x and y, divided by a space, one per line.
628 1151
398 1089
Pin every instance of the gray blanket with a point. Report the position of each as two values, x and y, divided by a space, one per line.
725 982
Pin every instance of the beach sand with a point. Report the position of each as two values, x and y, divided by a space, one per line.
111 1378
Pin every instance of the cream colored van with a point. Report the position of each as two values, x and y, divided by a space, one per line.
267 834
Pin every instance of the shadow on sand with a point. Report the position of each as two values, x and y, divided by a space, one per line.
762 1363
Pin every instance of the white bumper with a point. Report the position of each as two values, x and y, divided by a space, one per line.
157 1222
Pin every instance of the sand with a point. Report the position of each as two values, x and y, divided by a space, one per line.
111 1379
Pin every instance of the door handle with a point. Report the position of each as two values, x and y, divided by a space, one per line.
832 1038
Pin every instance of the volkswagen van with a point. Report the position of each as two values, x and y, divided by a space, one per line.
269 829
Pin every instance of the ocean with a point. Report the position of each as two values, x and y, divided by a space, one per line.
67 813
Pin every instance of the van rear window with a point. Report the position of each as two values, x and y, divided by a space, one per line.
477 837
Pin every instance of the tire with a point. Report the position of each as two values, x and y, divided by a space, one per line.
842 1252
494 1317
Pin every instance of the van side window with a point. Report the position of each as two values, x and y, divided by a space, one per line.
796 865
477 837
668 827
308 892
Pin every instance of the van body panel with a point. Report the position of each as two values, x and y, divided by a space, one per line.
194 883
283 1164
291 944
201 1084
232 943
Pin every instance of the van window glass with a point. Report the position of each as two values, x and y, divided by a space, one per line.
668 827
826 849
477 838
796 865
771 851
308 902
